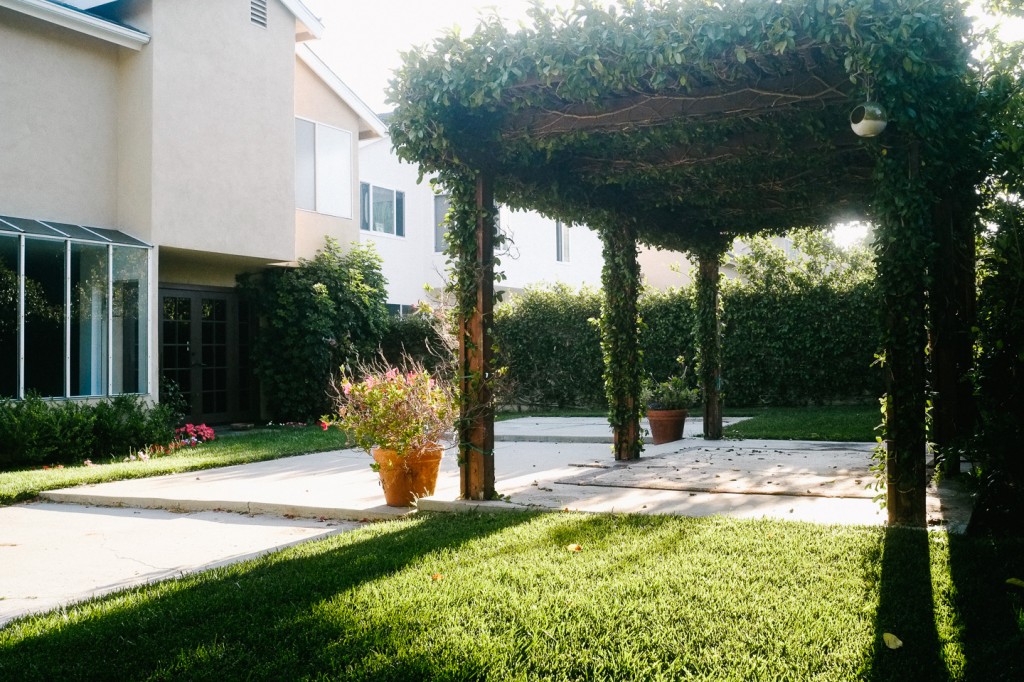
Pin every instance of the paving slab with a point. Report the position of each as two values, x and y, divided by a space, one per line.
579 429
52 555
335 485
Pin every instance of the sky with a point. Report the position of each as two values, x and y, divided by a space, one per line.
362 40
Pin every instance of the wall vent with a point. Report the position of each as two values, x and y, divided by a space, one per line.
258 12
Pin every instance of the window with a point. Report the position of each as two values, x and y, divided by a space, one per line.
258 12
561 242
441 205
323 168
73 311
381 210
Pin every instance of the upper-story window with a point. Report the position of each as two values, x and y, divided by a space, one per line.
381 210
258 12
441 206
561 242
323 168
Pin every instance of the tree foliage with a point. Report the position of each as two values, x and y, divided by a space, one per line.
314 318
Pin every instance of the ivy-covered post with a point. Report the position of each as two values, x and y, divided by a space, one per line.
951 305
476 424
707 332
902 249
620 336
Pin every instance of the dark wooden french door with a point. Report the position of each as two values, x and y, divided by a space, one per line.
205 339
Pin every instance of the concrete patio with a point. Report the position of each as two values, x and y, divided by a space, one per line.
105 537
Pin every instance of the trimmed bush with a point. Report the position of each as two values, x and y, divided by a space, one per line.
549 350
416 337
36 432
801 329
795 331
127 424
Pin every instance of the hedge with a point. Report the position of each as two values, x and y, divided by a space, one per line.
35 432
795 331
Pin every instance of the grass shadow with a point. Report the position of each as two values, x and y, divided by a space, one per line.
906 610
238 620
989 611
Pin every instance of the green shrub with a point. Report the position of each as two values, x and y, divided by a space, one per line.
667 331
795 331
803 328
127 424
314 318
417 337
548 350
35 431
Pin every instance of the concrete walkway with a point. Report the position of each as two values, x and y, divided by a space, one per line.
112 535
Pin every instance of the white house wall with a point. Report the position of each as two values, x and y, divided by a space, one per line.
58 123
410 262
223 132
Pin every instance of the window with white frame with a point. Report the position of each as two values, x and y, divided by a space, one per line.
323 168
381 210
561 242
442 202
74 316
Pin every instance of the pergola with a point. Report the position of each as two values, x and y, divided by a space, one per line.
682 124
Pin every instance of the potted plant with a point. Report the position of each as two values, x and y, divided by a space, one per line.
399 416
667 404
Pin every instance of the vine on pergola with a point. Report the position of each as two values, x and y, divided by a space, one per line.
677 122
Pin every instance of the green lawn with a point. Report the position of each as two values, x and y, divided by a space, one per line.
502 597
255 446
828 422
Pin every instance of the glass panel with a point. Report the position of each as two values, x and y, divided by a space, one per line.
177 362
77 232
333 171
383 210
305 165
364 206
131 320
44 317
8 317
32 227
88 319
400 214
214 355
118 237
441 204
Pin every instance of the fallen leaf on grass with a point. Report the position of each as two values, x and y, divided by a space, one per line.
1015 582
436 577
574 548
891 640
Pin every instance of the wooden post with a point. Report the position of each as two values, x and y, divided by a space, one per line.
952 311
620 339
476 430
902 268
710 338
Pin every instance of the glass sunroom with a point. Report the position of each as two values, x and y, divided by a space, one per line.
74 310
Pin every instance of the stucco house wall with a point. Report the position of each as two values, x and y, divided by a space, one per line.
58 122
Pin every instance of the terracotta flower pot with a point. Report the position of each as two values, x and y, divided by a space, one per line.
666 425
405 478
